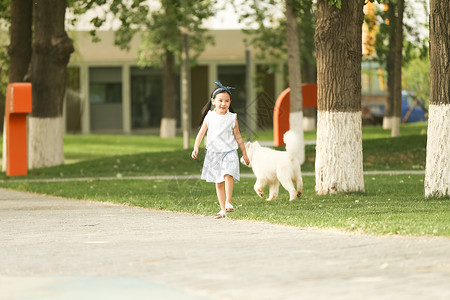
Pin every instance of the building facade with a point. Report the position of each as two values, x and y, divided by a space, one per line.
107 92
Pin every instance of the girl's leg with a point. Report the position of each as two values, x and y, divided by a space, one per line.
220 190
228 188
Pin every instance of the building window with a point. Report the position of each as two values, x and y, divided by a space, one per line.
234 76
105 85
147 97
73 100
105 93
105 97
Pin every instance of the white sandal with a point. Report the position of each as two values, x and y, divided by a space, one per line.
229 208
221 214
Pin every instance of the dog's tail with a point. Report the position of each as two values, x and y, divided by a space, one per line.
294 147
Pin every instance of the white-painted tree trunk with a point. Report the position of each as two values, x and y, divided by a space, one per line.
309 123
168 128
339 159
45 142
437 170
395 126
296 125
387 122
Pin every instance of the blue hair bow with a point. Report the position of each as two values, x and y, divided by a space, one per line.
221 89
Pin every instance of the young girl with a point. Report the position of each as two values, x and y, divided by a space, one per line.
221 163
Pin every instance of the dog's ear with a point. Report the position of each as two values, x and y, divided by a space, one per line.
256 144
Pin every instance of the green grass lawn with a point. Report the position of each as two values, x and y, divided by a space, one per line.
391 204
120 155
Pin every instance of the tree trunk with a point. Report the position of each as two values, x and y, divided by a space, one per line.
51 53
308 66
186 93
338 43
169 121
19 49
390 66
295 77
437 172
397 97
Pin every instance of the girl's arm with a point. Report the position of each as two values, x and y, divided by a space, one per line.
238 137
199 139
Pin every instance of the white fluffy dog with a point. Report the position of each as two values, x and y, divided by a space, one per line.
272 167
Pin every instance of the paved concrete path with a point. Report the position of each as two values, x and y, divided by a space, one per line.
53 248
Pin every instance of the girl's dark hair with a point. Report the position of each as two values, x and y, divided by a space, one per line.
208 105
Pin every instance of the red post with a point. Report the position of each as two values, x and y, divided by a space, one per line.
17 106
281 117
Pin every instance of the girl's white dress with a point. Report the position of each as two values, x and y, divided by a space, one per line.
221 148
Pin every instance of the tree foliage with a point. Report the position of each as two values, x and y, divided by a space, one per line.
4 63
337 3
161 24
416 78
4 59
416 70
4 12
166 25
415 61
267 31
412 27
